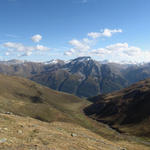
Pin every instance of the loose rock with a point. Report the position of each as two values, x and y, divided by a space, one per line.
20 131
6 129
73 134
3 140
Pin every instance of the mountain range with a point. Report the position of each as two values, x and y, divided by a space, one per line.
82 76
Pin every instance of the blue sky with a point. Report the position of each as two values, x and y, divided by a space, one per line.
40 30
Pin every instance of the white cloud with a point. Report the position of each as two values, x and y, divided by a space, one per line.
7 53
36 38
80 45
119 52
115 52
94 34
104 33
122 52
70 52
41 48
26 54
83 45
18 46
27 50
22 48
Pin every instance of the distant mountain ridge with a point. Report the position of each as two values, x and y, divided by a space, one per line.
82 76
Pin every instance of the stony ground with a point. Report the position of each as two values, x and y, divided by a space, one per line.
24 133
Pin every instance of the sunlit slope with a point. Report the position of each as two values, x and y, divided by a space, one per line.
24 97
25 133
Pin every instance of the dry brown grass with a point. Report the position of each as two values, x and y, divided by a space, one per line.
24 133
127 110
64 111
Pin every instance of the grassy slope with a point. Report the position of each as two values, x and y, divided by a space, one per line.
126 110
26 98
24 133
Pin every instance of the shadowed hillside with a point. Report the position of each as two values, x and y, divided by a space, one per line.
127 110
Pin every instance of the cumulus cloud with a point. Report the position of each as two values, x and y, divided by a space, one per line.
27 50
116 52
80 45
7 53
122 52
36 38
70 52
26 54
41 48
104 33
119 52
115 48
20 47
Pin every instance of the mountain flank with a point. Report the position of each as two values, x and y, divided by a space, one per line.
26 98
126 110
83 76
